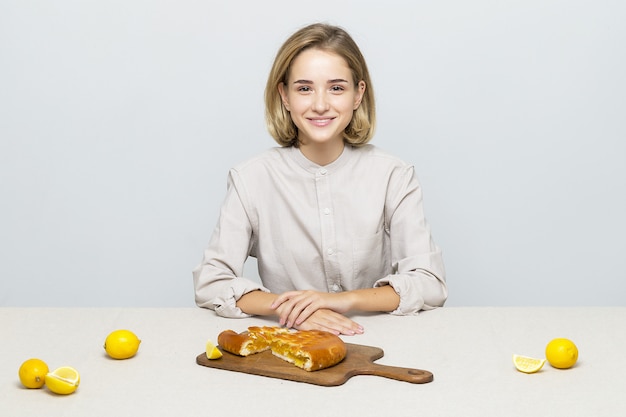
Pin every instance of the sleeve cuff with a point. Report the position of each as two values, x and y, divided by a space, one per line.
411 301
225 303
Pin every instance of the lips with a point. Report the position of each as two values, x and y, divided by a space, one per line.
321 122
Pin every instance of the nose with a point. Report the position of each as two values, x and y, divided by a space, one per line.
320 102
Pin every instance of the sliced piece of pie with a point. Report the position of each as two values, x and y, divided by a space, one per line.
310 350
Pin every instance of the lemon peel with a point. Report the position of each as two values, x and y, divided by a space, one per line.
33 372
561 353
121 344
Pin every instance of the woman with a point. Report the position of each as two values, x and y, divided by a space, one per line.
336 224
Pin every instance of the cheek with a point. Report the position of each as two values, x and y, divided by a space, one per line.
348 105
299 104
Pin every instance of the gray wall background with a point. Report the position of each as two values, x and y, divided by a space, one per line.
120 119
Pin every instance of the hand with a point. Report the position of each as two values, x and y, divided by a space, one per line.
330 321
294 308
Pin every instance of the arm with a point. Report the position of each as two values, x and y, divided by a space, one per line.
218 280
418 271
320 317
295 307
383 299
257 303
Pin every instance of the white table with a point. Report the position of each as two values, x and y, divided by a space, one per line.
468 350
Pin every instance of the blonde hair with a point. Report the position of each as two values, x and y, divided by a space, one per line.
331 39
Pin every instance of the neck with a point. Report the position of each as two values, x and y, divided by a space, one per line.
322 154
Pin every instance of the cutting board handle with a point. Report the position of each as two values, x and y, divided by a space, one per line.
415 376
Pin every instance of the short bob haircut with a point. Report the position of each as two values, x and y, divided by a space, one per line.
330 39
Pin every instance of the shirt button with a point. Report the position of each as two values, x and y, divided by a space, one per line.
327 211
335 288
323 171
330 251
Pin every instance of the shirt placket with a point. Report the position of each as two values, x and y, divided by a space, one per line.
330 254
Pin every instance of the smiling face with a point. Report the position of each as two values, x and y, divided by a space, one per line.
321 96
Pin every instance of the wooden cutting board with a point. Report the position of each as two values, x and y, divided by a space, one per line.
359 360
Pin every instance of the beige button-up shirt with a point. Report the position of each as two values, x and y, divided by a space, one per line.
355 223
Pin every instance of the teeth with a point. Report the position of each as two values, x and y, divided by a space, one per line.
320 121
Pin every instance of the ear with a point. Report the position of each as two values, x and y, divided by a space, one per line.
360 91
283 95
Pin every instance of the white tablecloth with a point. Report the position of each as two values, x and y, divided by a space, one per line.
468 350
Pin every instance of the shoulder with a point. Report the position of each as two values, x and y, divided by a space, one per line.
262 169
262 159
379 157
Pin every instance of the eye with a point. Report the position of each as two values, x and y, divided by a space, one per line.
304 89
337 88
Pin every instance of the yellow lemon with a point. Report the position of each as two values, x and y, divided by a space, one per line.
63 380
33 373
561 353
212 352
528 365
121 344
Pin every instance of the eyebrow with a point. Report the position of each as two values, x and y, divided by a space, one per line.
334 81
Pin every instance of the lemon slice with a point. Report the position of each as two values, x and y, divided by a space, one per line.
212 352
63 380
527 365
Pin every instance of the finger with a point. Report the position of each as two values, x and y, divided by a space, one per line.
285 312
298 308
345 326
283 297
306 313
308 325
333 322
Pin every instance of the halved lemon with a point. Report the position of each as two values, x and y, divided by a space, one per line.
212 352
527 365
63 380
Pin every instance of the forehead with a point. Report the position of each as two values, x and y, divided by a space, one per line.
316 63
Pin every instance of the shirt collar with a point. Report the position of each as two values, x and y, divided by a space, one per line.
312 167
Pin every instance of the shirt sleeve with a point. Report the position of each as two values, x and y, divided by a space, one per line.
218 280
418 271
